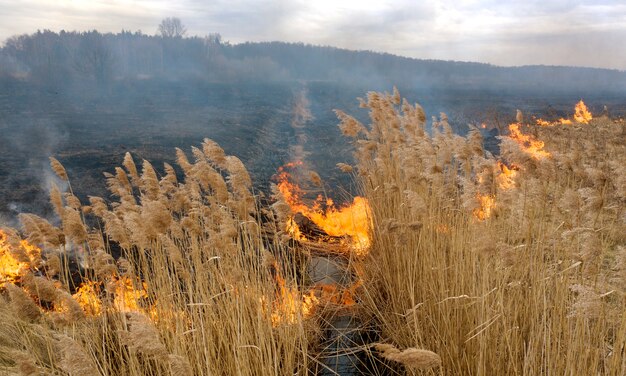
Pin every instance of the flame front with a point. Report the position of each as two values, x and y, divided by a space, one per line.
19 257
527 143
338 295
351 221
505 180
581 115
127 296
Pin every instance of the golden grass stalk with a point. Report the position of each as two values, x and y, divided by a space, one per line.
535 286
412 358
190 296
58 169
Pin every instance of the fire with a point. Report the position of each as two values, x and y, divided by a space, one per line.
527 143
350 221
505 180
290 305
294 231
487 203
19 257
581 114
564 121
337 295
506 177
127 297
544 123
88 297
14 262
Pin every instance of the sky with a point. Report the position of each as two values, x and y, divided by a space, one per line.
587 33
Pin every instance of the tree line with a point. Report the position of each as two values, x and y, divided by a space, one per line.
58 59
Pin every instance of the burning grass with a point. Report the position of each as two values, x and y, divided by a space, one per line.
188 292
528 277
351 221
468 263
581 116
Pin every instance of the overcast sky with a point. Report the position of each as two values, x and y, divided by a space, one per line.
555 32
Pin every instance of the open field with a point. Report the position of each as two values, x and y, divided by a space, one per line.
455 258
90 131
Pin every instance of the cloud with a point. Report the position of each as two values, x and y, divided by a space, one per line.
583 32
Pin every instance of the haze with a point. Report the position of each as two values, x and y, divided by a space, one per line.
573 33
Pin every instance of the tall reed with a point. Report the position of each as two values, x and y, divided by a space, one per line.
497 272
190 290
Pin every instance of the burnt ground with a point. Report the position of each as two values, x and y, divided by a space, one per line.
89 131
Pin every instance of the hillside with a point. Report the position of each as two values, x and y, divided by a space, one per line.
60 59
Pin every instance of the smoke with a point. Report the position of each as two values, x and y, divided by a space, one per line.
301 116
27 179
37 137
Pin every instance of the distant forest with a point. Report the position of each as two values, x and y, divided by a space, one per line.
96 60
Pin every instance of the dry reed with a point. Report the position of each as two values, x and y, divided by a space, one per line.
190 296
514 274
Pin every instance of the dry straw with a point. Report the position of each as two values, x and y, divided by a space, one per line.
418 359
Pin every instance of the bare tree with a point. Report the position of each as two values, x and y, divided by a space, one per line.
94 57
172 27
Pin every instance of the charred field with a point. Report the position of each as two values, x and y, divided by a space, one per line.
181 226
91 130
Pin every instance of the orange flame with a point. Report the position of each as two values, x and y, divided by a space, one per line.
350 221
14 263
19 257
506 178
88 298
487 203
581 114
527 143
290 305
564 121
337 295
127 297
294 231
544 123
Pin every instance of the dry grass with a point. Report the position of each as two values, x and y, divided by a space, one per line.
191 294
478 266
533 285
